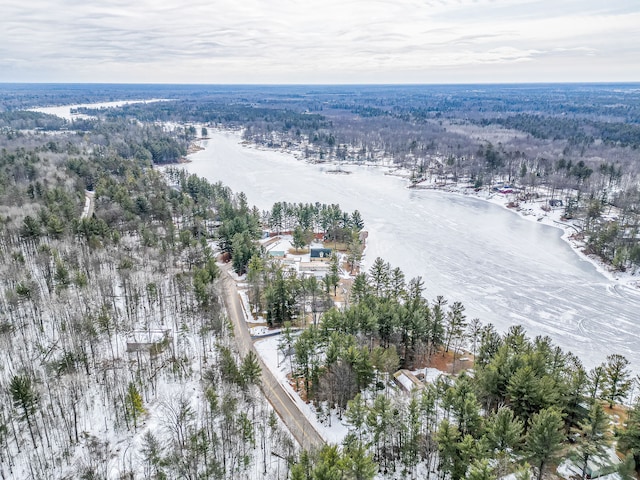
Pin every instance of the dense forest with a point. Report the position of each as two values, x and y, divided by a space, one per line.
525 405
118 359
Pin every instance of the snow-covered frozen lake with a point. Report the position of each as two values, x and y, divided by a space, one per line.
64 111
505 269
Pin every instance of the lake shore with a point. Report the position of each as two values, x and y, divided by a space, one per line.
533 210
536 209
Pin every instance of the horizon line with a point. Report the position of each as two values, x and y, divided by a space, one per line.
395 84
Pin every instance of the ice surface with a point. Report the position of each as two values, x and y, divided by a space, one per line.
505 269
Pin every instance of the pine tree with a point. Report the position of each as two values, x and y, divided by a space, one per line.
299 238
25 399
255 270
593 436
152 452
630 437
356 220
356 415
455 324
250 369
410 453
616 379
357 462
301 470
544 438
329 465
504 431
379 277
503 436
529 393
359 288
379 421
133 404
481 470
448 437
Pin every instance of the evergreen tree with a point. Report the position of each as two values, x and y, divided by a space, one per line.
329 465
152 452
299 238
529 393
396 284
25 399
503 436
356 415
481 470
410 454
243 248
504 430
356 220
250 369
133 404
593 438
596 380
359 288
448 437
630 436
490 342
577 385
379 274
379 421
544 438
617 380
302 469
255 271
357 462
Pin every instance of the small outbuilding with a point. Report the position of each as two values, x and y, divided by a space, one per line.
603 465
407 380
320 253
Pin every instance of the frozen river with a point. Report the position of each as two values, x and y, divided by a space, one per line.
505 269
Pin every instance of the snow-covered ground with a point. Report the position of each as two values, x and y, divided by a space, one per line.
531 210
505 269
332 429
536 210
64 111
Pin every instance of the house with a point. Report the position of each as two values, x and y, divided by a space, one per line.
407 380
320 253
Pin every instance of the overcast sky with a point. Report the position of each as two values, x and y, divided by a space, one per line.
319 41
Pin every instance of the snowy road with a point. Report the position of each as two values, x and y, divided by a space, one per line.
285 406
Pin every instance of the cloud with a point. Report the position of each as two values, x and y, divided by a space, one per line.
312 41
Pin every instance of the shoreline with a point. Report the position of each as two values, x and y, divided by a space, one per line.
568 229
530 210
